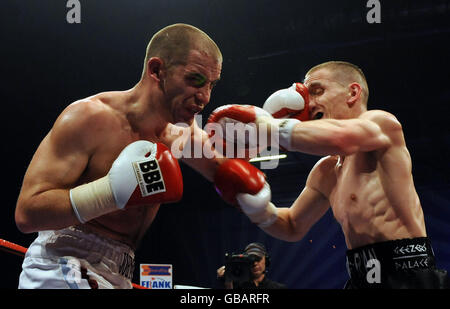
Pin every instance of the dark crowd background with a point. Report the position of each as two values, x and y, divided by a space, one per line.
47 63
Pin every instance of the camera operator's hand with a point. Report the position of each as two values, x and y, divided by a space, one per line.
221 275
221 272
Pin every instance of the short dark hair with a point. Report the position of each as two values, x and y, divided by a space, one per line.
173 43
349 70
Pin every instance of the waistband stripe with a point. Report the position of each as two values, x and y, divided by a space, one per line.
408 256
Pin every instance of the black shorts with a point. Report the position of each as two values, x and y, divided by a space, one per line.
396 264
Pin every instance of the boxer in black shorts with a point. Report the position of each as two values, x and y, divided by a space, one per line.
398 264
365 177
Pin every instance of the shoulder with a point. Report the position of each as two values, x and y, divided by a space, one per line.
322 177
324 167
87 114
388 124
385 120
325 163
88 109
84 121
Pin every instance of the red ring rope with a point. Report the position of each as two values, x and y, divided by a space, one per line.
12 248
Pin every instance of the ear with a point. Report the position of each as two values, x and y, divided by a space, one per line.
154 68
355 93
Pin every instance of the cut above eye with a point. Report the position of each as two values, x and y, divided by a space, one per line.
198 80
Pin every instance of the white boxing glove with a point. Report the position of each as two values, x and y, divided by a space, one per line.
235 119
288 106
144 173
258 207
292 102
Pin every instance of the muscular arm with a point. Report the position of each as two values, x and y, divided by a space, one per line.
200 155
343 137
294 222
58 163
374 130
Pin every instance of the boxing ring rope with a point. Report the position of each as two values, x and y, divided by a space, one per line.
15 249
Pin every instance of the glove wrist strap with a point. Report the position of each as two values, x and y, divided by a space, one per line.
271 216
265 218
285 128
92 200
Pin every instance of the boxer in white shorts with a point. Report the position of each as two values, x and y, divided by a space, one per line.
78 259
97 180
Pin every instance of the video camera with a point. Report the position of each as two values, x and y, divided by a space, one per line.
238 267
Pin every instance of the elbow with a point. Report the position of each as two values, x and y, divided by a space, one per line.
296 231
23 222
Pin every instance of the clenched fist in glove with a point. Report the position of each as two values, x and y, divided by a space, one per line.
281 112
292 102
241 184
144 173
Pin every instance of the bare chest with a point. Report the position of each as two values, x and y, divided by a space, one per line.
102 159
357 188
123 225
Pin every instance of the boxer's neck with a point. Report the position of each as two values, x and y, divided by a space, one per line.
145 111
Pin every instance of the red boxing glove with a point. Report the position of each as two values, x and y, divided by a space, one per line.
237 128
161 180
237 113
292 102
243 185
236 176
144 173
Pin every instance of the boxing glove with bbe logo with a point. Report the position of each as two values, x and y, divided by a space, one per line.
144 173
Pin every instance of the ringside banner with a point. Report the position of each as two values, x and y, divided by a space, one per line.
156 276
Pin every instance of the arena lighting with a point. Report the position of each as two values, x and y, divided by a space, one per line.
267 158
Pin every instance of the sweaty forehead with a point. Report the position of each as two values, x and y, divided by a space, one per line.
318 76
204 63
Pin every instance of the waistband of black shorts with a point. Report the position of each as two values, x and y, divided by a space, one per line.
391 256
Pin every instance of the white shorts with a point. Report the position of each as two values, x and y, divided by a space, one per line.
72 258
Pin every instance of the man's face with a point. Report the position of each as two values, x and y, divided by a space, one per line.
327 95
188 87
259 267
